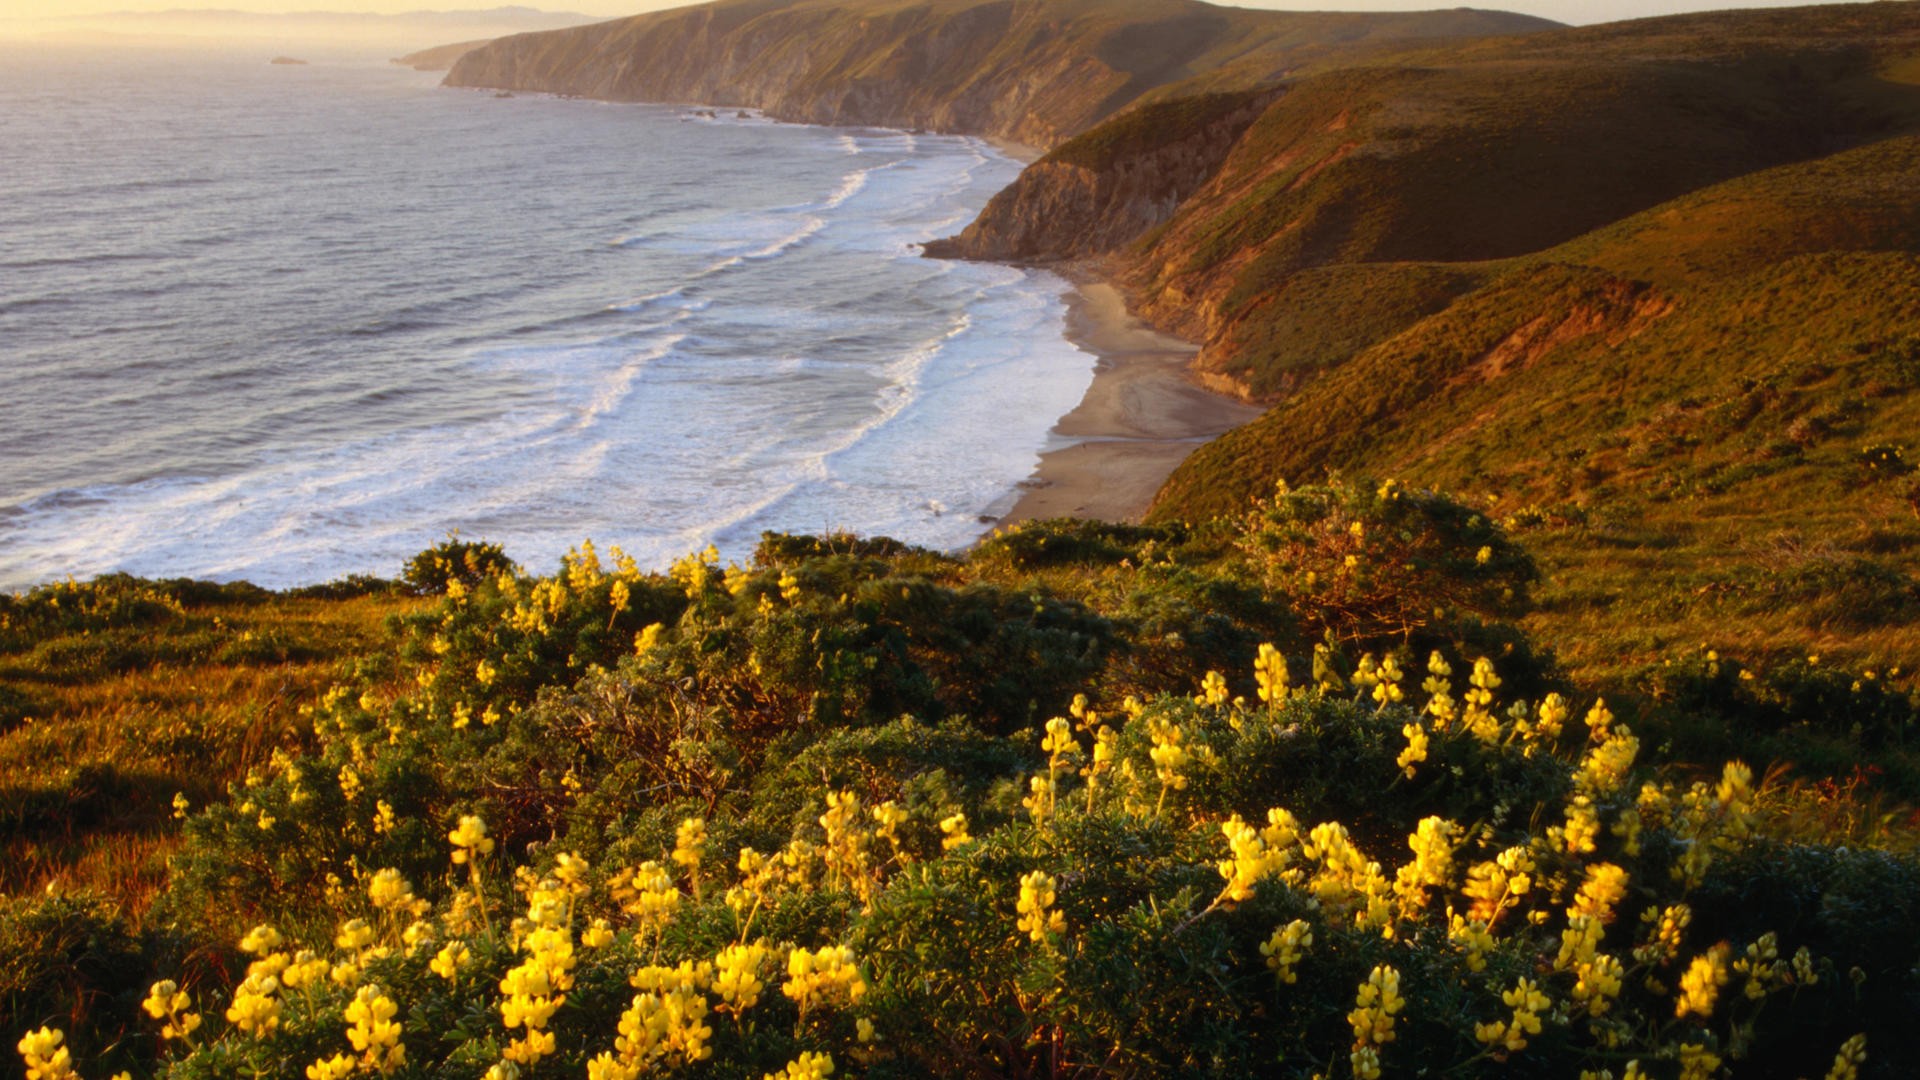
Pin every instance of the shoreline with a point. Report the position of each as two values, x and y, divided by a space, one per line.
1142 415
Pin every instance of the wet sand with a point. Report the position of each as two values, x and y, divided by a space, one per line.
1142 416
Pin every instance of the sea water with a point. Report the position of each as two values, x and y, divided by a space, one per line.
289 323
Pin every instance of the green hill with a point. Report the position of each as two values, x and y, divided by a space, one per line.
1654 276
1684 401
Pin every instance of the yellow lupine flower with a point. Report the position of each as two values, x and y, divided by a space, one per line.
337 1067
1604 887
829 974
1168 756
736 976
389 891
166 1001
45 1057
1432 843
450 959
1700 985
1284 949
598 934
1852 1055
1270 674
1375 1005
260 940
1697 1062
1597 983
1416 751
1038 918
808 1066
354 934
470 839
1386 690
1472 937
954 829
256 1006
373 1031
1213 690
647 640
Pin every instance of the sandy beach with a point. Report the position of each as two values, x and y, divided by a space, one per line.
1143 414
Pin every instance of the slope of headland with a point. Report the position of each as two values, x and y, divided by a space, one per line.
1034 73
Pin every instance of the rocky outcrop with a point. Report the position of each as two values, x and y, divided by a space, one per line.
1101 191
1034 71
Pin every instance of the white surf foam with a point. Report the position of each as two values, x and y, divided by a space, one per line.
819 384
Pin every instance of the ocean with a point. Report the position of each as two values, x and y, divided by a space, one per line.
289 323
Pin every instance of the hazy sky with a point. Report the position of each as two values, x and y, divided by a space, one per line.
1573 11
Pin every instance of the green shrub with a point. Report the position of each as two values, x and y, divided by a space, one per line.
1371 562
453 559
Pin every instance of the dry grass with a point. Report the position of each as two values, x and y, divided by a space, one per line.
113 722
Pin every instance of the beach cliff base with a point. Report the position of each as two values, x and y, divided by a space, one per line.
1142 415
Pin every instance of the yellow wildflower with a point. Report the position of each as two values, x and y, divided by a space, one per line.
450 959
1375 1005
1416 751
1284 949
808 1066
1852 1055
1038 918
737 975
166 1001
373 1031
45 1058
337 1067
954 829
470 839
256 1006
1270 674
1700 985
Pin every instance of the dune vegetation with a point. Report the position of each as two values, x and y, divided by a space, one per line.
1292 793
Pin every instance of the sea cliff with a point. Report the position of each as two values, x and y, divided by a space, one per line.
1036 73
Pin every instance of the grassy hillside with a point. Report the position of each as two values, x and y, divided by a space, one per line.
1497 149
1035 72
1683 402
117 695
1646 286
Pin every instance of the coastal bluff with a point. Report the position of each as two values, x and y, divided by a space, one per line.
1034 73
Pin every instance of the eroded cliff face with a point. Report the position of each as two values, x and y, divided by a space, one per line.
1096 194
1033 71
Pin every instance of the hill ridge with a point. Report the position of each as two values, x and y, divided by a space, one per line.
1029 72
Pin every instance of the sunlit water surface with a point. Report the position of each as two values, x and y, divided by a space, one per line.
289 323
